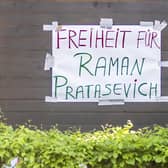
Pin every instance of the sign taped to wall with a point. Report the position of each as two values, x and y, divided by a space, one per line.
92 63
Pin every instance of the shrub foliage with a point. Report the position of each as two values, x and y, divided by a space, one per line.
111 147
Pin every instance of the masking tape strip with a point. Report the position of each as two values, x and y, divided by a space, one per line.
159 25
55 25
164 64
147 24
50 99
49 62
47 27
51 27
106 23
108 102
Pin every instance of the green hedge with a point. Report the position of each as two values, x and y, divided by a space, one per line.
111 147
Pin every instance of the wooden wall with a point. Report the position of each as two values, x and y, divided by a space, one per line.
23 45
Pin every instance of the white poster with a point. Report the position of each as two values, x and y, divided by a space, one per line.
92 63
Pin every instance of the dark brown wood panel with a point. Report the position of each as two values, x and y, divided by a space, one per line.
23 45
27 104
93 119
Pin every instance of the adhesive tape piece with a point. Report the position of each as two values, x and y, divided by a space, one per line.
47 27
49 62
106 23
148 24
159 25
164 63
55 25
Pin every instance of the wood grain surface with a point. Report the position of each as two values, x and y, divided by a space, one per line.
23 45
